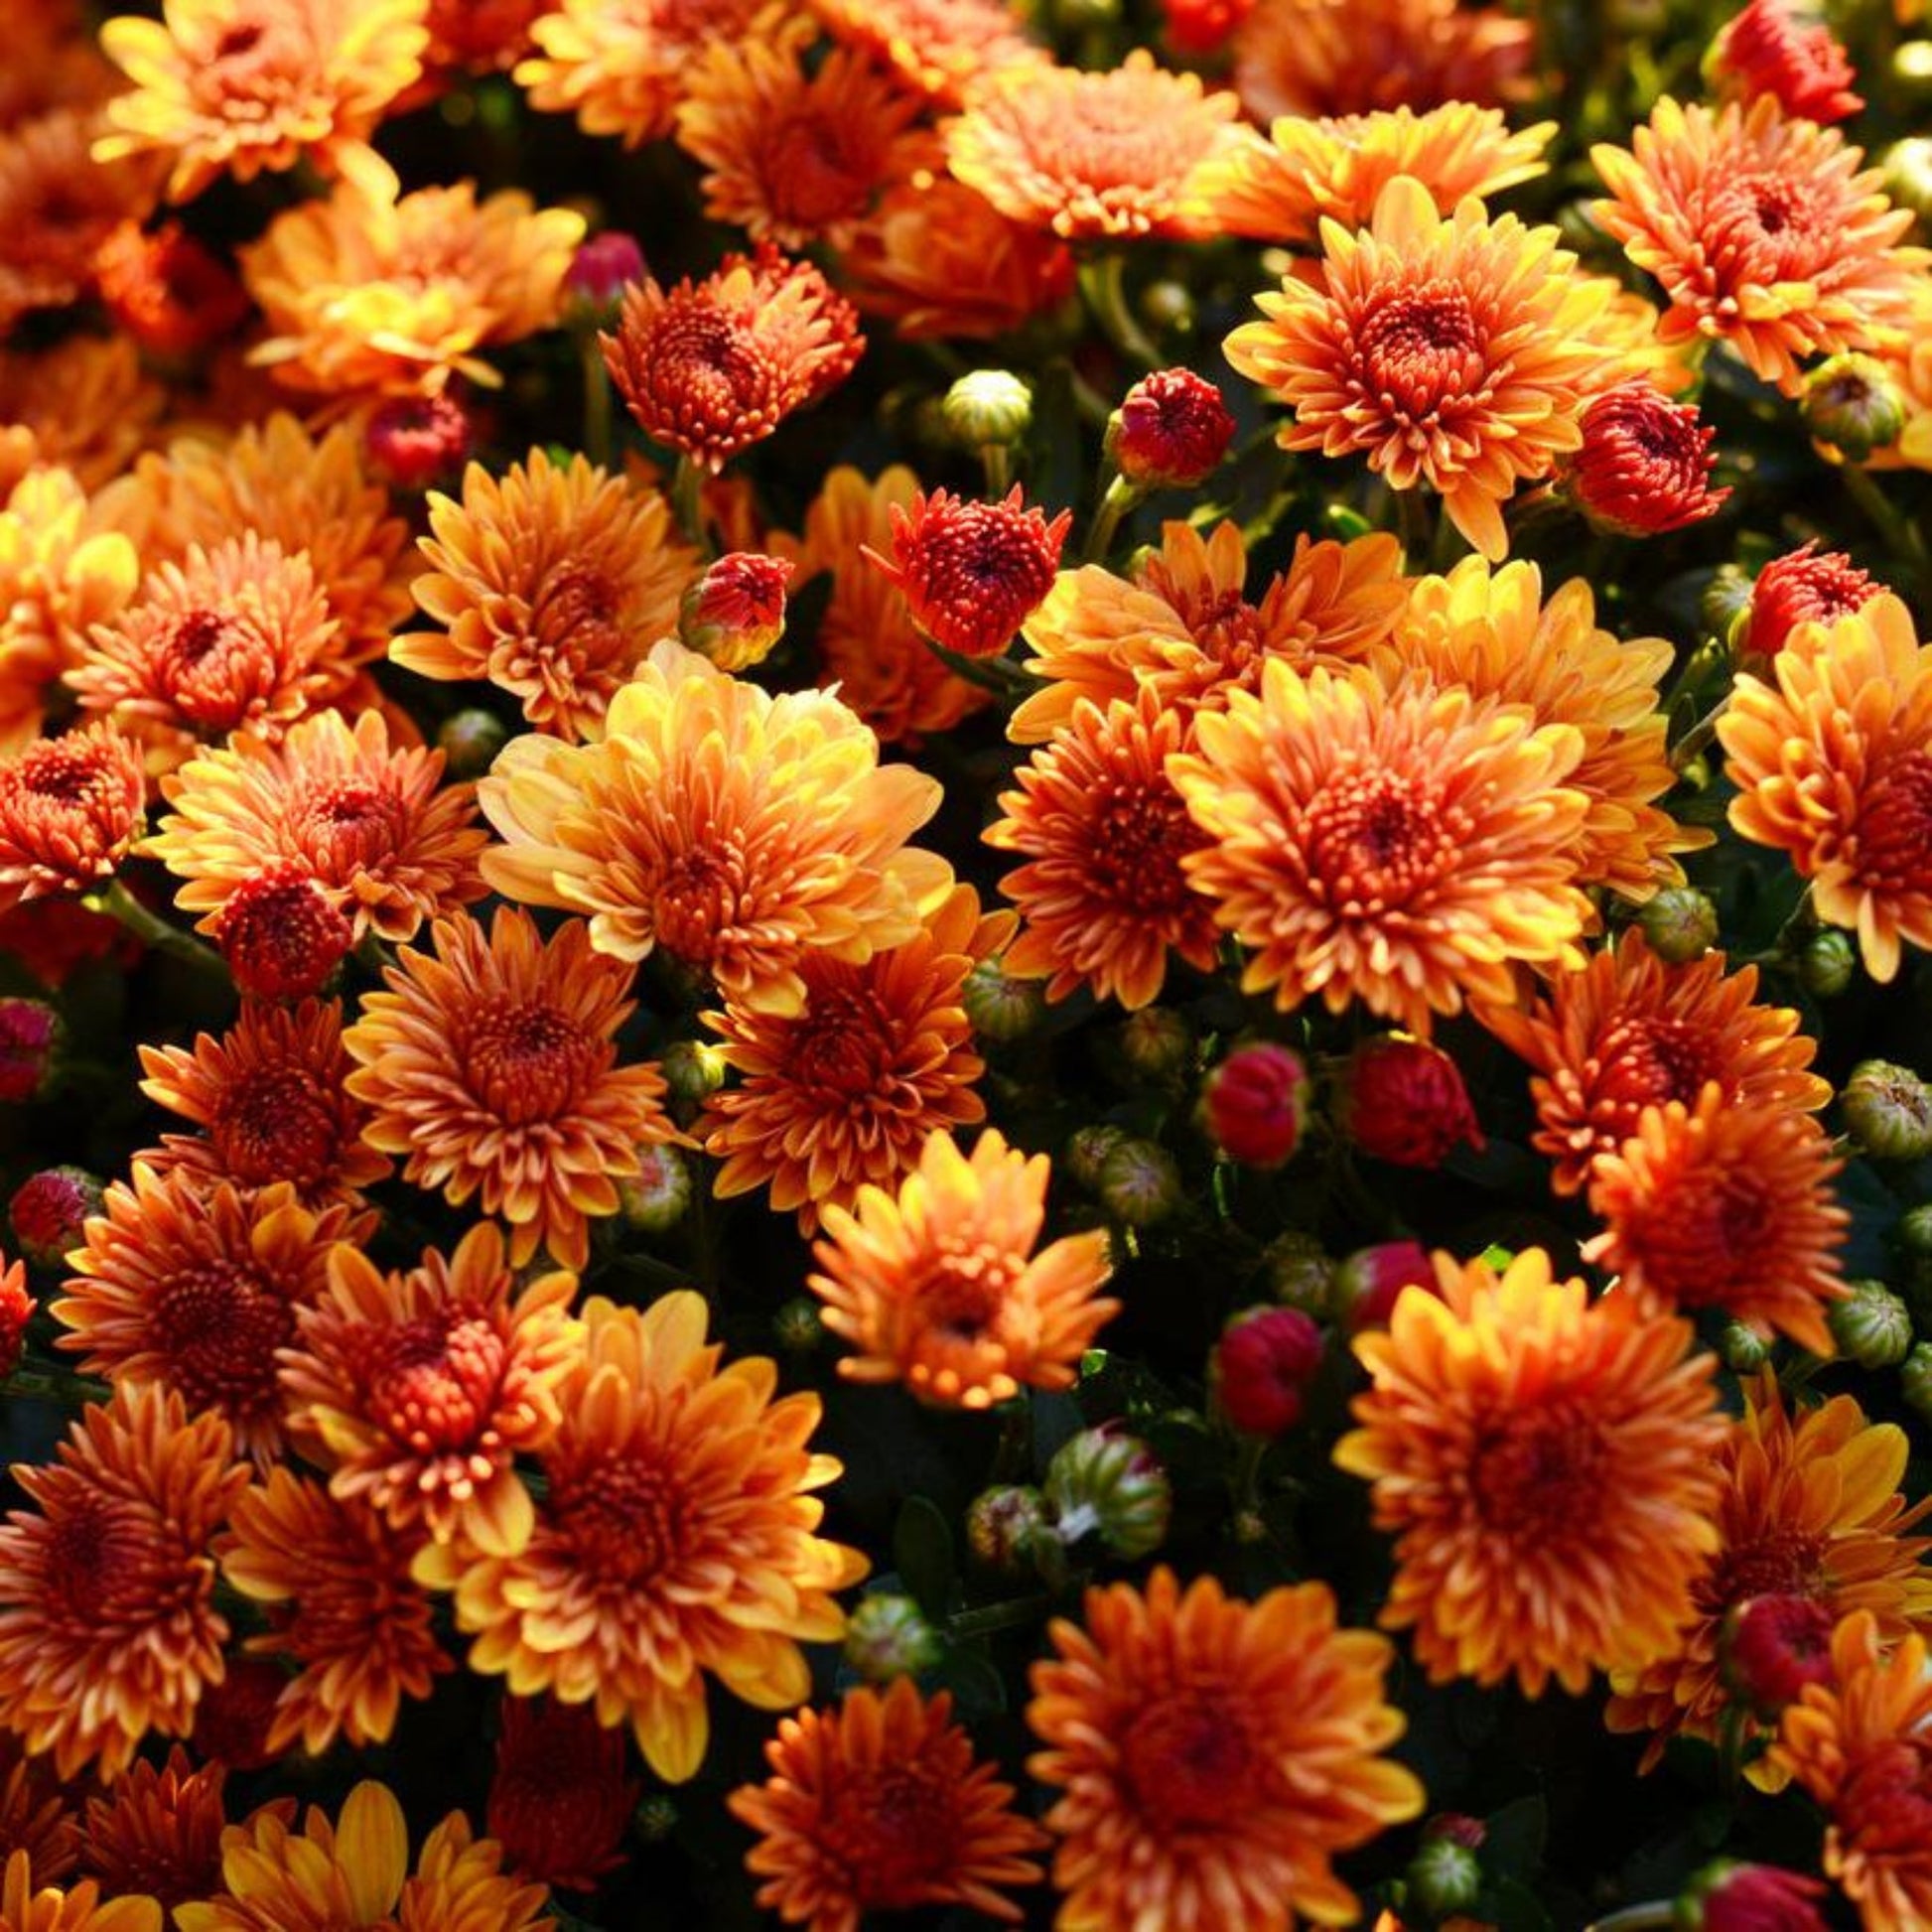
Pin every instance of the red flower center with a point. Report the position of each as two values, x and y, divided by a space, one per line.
219 1326
276 1124
1647 1060
1894 831
527 1061
894 1832
1186 1760
1539 1473
438 1379
1132 862
95 1562
1375 837
1886 1802
844 1047
1420 348
621 1520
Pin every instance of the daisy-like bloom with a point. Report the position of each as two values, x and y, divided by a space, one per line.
268 1098
674 1540
1103 895
107 1622
708 368
493 1067
71 808
1492 633
742 832
1280 189
1644 465
343 1606
1548 1466
561 1795
1766 47
1398 849
938 1285
1809 1508
158 1831
167 290
28 1904
366 822
247 87
373 292
942 48
880 1805
845 1090
1180 624
550 580
1187 1730
1762 232
1716 1205
797 157
972 573
621 65
193 1288
421 1389
1452 351
355 1873
1804 586
1834 765
1630 1032
1862 1748
1092 154
88 401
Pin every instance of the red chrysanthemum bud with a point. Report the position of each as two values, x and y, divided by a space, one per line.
1767 48
1263 1365
233 1717
1805 586
1772 1646
736 612
1404 1101
416 441
1254 1103
16 1310
69 809
1170 431
1645 464
598 273
166 290
1457 1827
1369 1282
1200 27
1733 1898
30 1047
49 1210
972 573
562 1794
282 935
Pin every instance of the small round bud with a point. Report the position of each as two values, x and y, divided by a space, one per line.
1852 404
988 409
1140 1184
735 614
1168 304
1262 1367
657 1817
1728 1896
1744 1349
1916 1380
282 934
1804 586
1914 1230
1157 1043
657 1195
799 1325
1443 1878
1908 174
1680 923
889 1636
1888 1111
1459 1828
1726 601
470 740
1871 1326
31 1038
1828 963
1770 1647
1106 1483
1002 1523
1170 431
1404 1101
605 265
49 1210
1371 1281
1085 1159
1255 1103
415 442
1300 1273
1001 1006
693 1069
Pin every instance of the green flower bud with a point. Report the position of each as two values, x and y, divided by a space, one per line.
1003 1525
1888 1111
1744 1351
657 1817
1002 1007
1726 602
799 1326
470 740
1908 174
1140 1184
1680 923
1914 1230
1916 1380
1443 1878
1300 1273
889 1636
1828 963
1085 1154
656 1196
1157 1043
1871 1326
988 409
1106 1483
1852 404
693 1069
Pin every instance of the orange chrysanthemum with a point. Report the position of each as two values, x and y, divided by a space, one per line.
561 1795
1834 765
107 1622
194 1288
1107 153
35 1814
937 1285
1188 1731
71 808
343 1606
550 580
880 1805
674 1540
158 1829
1401 850
1862 1746
88 401
1548 1467
168 290
1809 1508
742 832
29 1904
1104 894
1490 633
846 1089
942 48
1630 1032
421 1389
1762 231
373 292
366 822
52 62
1451 350
1711 1204
492 1067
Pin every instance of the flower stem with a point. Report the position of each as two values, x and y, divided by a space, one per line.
999 676
48 1382
1103 291
118 902
965 1625
998 462
687 500
1638 1918
596 401
1699 736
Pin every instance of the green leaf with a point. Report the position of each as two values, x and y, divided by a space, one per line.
1513 1846
922 1553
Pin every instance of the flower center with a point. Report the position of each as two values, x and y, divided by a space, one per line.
1784 1562
1420 348
62 776
844 1047
811 174
1133 859
204 665
438 1380
527 1060
1187 1759
576 615
1538 1474
967 1289
894 1832
1894 828
1374 839
219 1325
1650 1059
1886 1802
276 1124
698 895
96 1560
621 1520
345 827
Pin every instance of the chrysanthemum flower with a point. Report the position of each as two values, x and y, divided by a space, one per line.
552 582
1766 47
674 1540
88 401
1449 350
1804 586
1629 1032
1103 895
1834 765
366 822
1762 231
1548 1467
1398 850
1170 431
708 368
158 1831
846 1089
562 1794
343 1606
194 1287
31 1906
937 1285
1182 625
1492 633
243 87
282 933
942 48
1645 463
1087 154
376 291
880 1805
168 290
107 1622
742 832
71 808
1809 1508
1862 1748
35 1815
1187 1731
422 1388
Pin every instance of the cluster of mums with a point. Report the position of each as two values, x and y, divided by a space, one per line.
1389 785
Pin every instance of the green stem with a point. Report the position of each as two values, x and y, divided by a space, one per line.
119 904
1883 514
1103 291
1120 499
50 1383
596 401
997 459
687 500
1699 736
965 1625
999 675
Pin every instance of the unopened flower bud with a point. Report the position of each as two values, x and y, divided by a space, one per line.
282 935
1404 1101
1871 1326
657 1817
415 442
1744 1349
1300 1273
49 1210
1170 431
693 1069
1443 1878
1255 1103
799 1325
1157 1043
1197 28
1828 963
1804 586
988 409
1852 404
657 1195
1262 1367
1731 1897
30 1038
1908 174
1103 1482
1001 1006
1644 465
1888 1111
470 740
1726 602
1371 1281
889 1636
1002 1523
1140 1182
1914 1230
1459 1828
1680 923
1084 1158
1916 1380
1168 305
605 265
735 614
1770 1647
